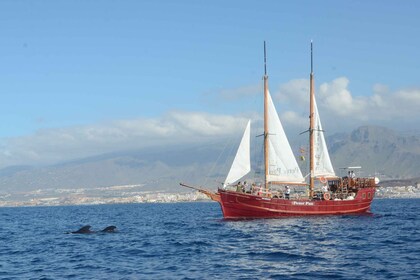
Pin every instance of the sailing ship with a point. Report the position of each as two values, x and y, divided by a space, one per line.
324 193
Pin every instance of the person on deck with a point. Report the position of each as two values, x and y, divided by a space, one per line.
287 192
244 187
253 188
239 187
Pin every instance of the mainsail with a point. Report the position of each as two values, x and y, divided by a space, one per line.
322 162
283 166
242 163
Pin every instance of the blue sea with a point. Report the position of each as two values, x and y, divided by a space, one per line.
192 241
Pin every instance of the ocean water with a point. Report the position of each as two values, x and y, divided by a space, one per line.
192 241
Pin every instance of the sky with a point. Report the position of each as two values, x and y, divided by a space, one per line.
79 78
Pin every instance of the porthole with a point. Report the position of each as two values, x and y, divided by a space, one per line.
364 196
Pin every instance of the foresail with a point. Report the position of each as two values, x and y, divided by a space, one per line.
242 163
322 162
283 166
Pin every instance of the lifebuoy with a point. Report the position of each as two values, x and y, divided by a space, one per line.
327 196
323 180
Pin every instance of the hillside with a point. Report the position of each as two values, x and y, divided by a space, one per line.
157 169
376 149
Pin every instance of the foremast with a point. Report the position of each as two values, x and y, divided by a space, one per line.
281 167
266 159
311 129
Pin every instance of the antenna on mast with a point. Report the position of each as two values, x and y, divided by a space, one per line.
312 62
265 61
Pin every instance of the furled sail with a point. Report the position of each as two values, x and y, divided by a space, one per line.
242 163
322 162
283 166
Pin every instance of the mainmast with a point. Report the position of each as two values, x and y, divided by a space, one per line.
266 162
311 129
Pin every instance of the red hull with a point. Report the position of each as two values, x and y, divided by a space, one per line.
241 205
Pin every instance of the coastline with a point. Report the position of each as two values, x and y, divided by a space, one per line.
133 194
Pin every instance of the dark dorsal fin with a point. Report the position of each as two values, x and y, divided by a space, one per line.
109 229
85 229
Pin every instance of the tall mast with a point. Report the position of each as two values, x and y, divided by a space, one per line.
311 129
266 164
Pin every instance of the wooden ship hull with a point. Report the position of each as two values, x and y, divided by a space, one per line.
347 196
242 205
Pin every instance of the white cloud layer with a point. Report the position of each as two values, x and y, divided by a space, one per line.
340 111
338 105
53 145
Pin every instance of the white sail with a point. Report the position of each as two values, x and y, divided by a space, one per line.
242 163
283 166
322 162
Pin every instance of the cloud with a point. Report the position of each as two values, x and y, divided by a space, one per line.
337 97
409 97
200 124
380 105
53 145
294 119
295 92
341 109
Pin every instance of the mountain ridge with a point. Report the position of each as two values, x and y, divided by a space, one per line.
380 151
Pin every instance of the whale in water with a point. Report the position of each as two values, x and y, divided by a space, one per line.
109 229
83 230
86 230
